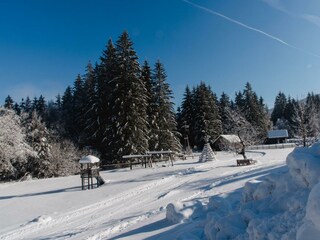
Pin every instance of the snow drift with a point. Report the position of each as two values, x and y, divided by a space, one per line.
283 205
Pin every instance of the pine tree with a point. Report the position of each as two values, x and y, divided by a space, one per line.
186 120
41 107
34 104
253 109
68 113
147 80
164 112
224 107
17 108
208 122
79 100
279 107
91 107
128 111
105 122
28 106
8 102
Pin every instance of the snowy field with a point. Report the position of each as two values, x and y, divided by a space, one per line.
190 200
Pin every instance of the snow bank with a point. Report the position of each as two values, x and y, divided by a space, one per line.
303 164
182 212
282 205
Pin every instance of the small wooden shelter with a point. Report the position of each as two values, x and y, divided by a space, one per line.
227 142
277 136
89 172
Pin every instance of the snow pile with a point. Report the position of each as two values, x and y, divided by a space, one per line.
42 219
183 212
283 205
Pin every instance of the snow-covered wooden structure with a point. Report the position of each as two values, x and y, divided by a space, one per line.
135 159
89 172
227 142
277 136
207 154
166 155
149 158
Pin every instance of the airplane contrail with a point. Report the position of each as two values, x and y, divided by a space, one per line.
250 28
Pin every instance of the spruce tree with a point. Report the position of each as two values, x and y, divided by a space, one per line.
8 102
41 107
106 75
186 120
208 123
129 132
28 105
90 107
165 119
68 113
279 107
78 102
224 109
253 109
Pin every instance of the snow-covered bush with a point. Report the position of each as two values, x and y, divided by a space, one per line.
65 158
14 149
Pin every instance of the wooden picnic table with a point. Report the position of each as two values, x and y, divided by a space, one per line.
145 158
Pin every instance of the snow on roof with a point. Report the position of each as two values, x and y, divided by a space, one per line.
231 138
278 133
89 159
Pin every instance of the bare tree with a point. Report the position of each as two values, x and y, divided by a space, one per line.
305 122
246 132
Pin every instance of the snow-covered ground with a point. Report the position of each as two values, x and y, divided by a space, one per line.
190 200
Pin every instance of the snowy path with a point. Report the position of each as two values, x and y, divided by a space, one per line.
58 209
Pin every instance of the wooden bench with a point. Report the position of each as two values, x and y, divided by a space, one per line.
134 160
162 155
241 162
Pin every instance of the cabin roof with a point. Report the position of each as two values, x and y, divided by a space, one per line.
230 138
278 133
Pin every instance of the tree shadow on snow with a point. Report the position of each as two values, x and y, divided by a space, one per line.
147 228
71 189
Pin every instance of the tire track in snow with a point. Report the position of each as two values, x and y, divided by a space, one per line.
76 223
35 226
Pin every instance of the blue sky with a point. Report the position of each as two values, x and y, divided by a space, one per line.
273 44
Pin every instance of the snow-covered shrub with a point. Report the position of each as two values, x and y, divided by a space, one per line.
65 158
14 149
